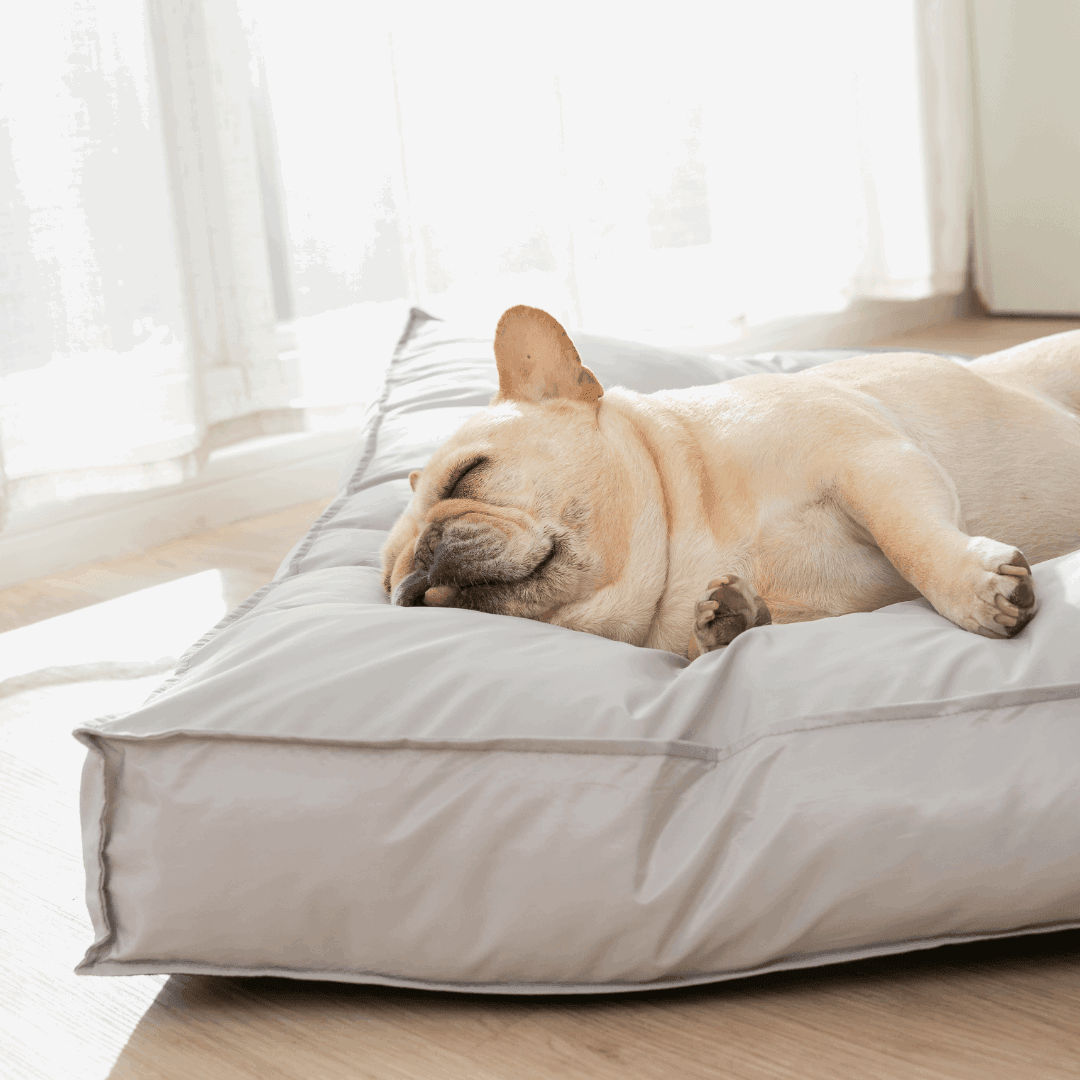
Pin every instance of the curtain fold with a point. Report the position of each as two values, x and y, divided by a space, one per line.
680 177
213 214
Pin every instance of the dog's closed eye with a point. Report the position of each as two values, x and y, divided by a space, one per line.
462 482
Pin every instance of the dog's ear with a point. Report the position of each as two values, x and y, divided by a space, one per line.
537 360
413 477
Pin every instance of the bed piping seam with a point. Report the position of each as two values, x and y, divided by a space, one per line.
416 319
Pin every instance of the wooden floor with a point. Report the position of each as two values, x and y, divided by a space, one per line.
247 554
975 337
1007 1010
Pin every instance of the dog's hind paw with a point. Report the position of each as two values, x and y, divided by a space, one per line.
725 611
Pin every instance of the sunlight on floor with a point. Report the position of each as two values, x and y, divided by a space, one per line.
54 675
144 632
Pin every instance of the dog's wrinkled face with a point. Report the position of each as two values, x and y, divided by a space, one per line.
507 517
494 524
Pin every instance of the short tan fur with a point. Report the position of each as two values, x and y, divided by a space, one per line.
679 519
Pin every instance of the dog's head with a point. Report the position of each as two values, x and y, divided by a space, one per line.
531 508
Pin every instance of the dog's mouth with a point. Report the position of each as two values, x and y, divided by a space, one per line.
488 586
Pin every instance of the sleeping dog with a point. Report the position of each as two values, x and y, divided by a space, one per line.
680 519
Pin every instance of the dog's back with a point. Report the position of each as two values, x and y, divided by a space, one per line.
1005 429
1048 367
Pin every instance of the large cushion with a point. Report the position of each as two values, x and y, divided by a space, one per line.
331 787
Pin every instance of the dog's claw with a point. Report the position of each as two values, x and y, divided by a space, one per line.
1018 566
1005 607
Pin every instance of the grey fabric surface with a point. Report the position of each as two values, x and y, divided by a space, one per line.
331 787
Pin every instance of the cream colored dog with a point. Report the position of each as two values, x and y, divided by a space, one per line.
679 519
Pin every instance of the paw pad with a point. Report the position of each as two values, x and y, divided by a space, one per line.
729 608
1015 598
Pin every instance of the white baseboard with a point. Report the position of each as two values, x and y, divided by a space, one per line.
239 482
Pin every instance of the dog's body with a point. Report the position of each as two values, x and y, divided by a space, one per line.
678 519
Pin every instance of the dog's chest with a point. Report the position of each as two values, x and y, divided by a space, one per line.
808 558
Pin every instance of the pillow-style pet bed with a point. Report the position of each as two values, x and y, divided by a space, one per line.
331 787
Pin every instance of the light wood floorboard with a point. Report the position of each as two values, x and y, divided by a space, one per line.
975 337
990 1011
247 553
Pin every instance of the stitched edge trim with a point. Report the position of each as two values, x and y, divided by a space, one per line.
915 710
840 956
111 764
416 319
510 744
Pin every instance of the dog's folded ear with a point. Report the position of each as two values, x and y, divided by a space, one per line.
537 360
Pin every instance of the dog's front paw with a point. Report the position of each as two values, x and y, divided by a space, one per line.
996 593
725 611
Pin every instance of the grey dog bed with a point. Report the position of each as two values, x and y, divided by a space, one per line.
331 787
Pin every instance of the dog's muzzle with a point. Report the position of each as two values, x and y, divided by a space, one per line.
416 590
456 564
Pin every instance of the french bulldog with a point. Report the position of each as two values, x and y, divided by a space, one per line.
681 519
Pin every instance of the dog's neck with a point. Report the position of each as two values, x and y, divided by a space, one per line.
690 494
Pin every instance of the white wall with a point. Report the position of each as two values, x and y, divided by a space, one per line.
1026 71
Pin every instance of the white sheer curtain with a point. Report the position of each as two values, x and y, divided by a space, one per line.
212 216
